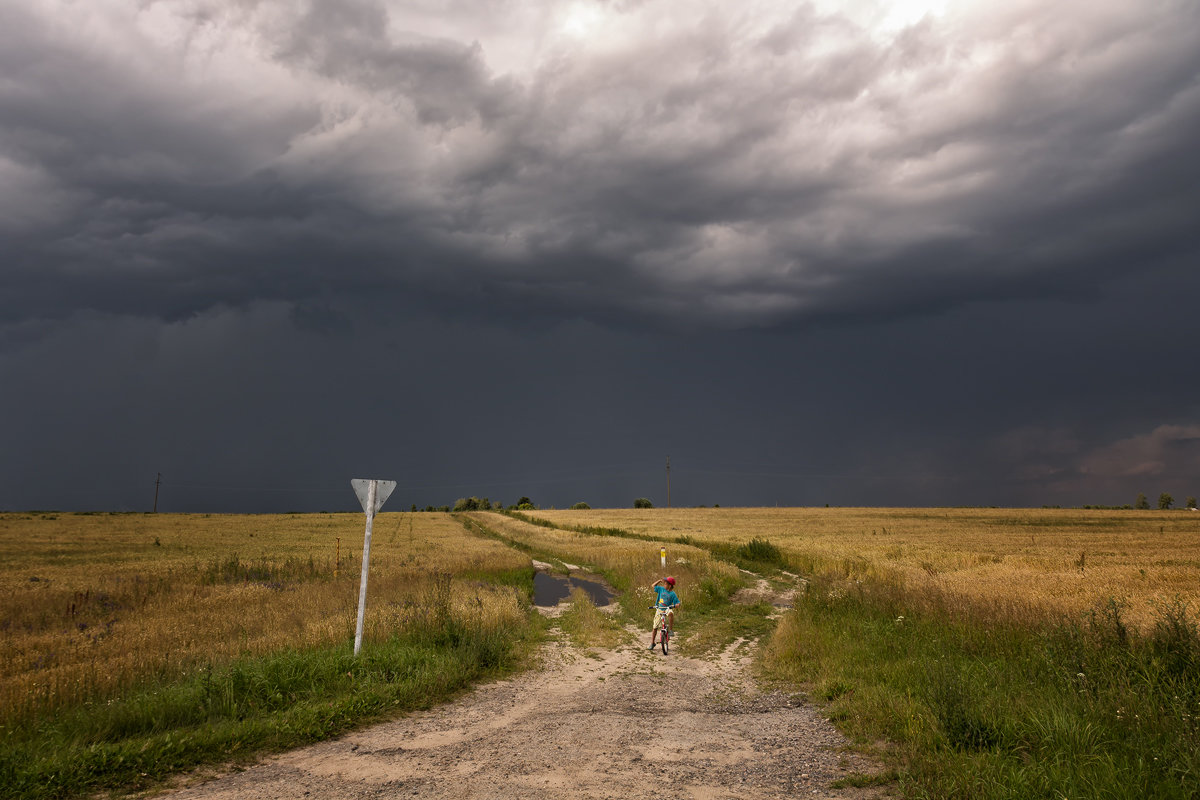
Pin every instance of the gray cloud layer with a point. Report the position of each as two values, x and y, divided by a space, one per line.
727 167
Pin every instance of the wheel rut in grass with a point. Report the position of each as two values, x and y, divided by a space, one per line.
596 724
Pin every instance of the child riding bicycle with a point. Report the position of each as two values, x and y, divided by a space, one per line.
664 608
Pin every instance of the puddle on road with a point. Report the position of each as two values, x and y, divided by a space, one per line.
549 590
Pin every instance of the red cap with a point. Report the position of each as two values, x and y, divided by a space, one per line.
670 581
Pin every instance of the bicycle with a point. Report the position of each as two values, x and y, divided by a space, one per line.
662 629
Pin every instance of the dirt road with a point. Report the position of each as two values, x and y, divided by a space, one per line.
612 724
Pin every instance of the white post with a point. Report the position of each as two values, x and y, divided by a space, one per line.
663 556
362 589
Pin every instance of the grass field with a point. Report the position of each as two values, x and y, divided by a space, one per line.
92 603
982 653
126 634
1000 562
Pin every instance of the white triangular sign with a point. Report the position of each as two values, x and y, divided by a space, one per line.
362 488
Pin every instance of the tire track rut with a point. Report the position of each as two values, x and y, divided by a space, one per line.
597 724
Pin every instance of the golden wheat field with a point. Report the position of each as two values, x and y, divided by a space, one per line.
1011 561
90 603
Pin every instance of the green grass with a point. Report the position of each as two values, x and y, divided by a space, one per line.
711 630
1082 708
761 551
589 627
252 705
234 570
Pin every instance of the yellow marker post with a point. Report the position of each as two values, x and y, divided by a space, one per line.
663 557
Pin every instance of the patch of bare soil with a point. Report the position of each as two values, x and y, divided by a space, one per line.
763 592
614 724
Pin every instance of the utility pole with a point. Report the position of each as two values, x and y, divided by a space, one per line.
157 481
668 481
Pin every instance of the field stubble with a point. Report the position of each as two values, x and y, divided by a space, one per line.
93 604
1005 564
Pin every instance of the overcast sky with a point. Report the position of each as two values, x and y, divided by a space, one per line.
932 252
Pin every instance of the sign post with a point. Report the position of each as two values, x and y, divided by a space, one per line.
662 554
372 494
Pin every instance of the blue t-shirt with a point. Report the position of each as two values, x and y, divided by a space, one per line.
666 597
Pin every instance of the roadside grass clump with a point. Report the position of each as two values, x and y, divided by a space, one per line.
714 591
1082 706
761 551
757 555
588 626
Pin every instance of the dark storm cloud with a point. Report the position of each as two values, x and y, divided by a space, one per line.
723 167
850 252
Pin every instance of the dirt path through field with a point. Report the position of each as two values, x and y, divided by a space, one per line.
604 724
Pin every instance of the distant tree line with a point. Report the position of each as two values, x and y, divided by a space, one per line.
522 504
480 504
1165 503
